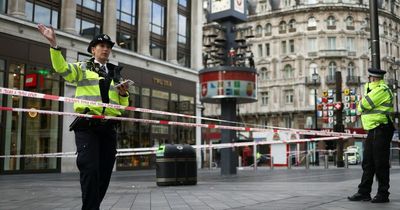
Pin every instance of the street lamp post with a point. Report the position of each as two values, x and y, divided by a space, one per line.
315 77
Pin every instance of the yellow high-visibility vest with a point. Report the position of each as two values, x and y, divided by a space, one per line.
376 107
87 85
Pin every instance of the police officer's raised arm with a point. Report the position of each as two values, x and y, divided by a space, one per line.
67 70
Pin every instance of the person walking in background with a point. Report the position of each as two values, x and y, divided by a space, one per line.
376 110
95 139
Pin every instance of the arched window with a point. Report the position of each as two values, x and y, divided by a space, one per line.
282 27
268 29
288 72
331 69
264 74
331 22
258 30
292 25
350 70
385 28
350 23
313 69
312 22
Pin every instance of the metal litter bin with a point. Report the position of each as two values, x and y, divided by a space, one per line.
176 165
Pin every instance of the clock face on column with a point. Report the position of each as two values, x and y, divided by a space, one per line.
239 5
220 5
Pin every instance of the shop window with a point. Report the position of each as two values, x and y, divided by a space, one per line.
46 11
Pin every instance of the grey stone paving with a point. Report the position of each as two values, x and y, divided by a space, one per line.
315 189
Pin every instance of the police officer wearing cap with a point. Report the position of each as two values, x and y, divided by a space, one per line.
95 139
376 110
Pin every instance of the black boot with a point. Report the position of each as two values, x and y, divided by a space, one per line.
380 199
359 197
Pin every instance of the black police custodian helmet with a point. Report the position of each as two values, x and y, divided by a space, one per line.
375 72
99 39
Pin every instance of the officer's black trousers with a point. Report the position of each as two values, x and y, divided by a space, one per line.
96 147
376 159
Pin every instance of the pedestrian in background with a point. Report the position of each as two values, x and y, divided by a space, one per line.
376 110
95 139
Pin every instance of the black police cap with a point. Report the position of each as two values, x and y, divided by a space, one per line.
99 39
375 72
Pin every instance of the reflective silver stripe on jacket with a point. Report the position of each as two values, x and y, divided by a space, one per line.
88 82
378 112
67 72
370 102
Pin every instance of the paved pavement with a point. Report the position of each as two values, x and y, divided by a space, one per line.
316 188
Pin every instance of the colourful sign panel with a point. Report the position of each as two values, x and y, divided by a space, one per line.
228 84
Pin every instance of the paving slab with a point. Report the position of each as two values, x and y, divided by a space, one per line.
279 188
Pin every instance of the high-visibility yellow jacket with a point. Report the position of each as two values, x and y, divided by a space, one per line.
87 85
376 107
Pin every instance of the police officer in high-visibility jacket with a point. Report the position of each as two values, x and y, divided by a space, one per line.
376 110
95 139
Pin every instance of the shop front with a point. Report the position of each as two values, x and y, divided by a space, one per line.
157 92
25 65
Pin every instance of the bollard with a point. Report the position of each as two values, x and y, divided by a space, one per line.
307 161
272 162
240 161
326 160
255 156
346 160
211 158
289 165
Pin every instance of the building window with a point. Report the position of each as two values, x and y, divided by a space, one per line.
264 98
331 69
349 23
289 96
258 30
157 29
268 29
184 33
283 47
288 72
311 1
292 25
291 45
313 69
311 23
265 74
267 49
350 44
350 70
260 50
282 27
183 3
46 11
312 44
157 19
331 22
89 18
331 43
126 24
385 28
3 6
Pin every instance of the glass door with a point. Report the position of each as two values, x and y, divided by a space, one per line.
13 125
